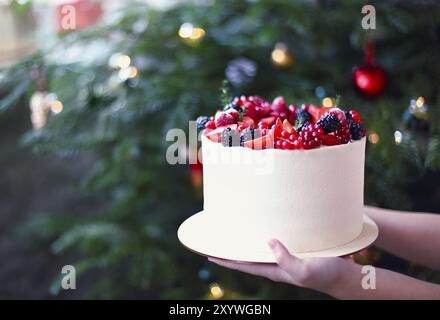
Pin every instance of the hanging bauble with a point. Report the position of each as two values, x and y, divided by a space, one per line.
369 79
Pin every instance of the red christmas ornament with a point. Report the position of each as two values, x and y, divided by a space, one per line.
369 79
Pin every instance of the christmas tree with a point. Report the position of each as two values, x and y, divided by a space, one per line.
148 71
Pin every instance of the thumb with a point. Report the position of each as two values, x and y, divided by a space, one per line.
284 259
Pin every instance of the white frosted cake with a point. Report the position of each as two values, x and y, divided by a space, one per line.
311 200
264 177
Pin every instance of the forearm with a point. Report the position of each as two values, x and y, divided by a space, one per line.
412 236
388 285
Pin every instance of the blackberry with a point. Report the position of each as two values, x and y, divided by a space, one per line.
233 105
201 121
249 134
230 138
348 116
303 116
356 131
329 122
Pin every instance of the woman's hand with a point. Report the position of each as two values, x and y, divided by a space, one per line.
338 277
321 274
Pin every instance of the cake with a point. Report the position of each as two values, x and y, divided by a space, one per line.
277 171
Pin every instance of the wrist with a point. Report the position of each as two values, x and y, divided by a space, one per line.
347 280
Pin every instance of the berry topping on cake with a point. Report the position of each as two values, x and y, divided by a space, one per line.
230 137
303 116
316 112
343 132
249 134
354 115
279 105
253 122
329 122
356 130
210 124
311 137
201 122
224 119
330 140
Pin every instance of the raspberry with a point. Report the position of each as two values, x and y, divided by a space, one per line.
356 130
330 140
311 136
201 122
230 138
225 119
329 122
343 132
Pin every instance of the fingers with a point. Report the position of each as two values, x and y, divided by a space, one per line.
270 271
285 260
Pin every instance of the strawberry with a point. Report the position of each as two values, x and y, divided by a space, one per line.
338 112
210 124
287 126
277 128
246 123
316 112
267 122
264 142
234 113
224 119
279 105
215 135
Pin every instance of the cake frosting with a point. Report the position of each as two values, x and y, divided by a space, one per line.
311 200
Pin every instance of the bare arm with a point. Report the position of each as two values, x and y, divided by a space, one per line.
338 277
412 236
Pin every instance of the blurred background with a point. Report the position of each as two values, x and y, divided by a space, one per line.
89 88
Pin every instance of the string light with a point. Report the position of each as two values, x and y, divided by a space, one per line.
119 61
56 107
281 56
327 102
398 137
128 73
373 138
216 291
420 102
191 34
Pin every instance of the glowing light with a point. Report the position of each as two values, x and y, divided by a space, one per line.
57 107
128 73
281 55
327 102
124 61
420 102
119 61
197 33
373 138
191 34
216 290
186 30
398 137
